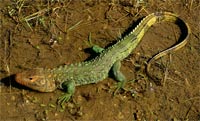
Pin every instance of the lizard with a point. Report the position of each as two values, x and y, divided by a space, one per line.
67 77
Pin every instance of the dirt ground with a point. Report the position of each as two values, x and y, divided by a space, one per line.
50 33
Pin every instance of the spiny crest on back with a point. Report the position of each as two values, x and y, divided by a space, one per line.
139 25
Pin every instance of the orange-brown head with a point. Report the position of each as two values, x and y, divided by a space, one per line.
36 79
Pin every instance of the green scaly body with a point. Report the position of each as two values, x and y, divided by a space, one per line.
69 76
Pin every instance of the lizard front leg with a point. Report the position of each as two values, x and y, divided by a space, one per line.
69 88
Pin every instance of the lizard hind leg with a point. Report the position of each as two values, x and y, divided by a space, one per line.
119 76
97 49
69 88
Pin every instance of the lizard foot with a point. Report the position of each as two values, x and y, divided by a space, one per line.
64 98
119 86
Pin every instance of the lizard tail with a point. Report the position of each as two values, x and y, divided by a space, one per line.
185 29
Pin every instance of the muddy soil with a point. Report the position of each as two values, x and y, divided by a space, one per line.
51 33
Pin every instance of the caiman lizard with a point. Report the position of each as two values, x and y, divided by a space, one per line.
67 77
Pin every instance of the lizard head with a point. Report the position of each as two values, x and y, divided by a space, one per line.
36 79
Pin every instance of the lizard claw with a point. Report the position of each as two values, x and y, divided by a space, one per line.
118 86
64 98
